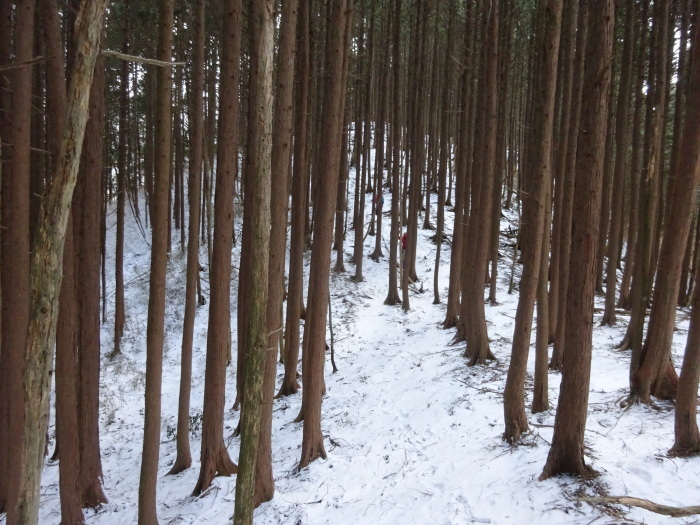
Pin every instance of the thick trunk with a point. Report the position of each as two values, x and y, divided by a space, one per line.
566 456
45 271
68 314
5 371
252 489
66 389
279 200
648 209
459 226
656 374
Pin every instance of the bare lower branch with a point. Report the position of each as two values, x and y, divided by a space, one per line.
35 60
133 58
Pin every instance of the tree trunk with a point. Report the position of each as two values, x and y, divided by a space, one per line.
568 183
656 374
15 255
183 460
540 394
648 208
5 167
444 154
562 145
392 297
119 313
315 330
155 332
460 214
45 271
621 136
687 436
533 225
295 296
68 320
252 489
90 179
281 152
566 454
214 456
478 350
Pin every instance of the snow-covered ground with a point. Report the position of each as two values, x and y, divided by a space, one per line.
413 435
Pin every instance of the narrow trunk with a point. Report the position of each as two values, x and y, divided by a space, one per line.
533 224
15 255
315 330
214 457
183 460
295 296
155 331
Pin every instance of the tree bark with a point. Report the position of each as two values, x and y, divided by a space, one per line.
5 167
295 296
68 314
279 201
214 456
312 444
478 350
90 178
392 297
15 254
259 351
533 225
183 459
656 374
566 454
45 271
621 136
155 332
568 183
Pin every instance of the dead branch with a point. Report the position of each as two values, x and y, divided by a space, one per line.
35 60
133 58
645 504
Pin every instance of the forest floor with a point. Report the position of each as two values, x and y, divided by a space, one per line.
413 434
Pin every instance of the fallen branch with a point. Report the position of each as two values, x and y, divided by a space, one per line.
645 504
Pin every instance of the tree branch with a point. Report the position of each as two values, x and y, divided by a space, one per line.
645 504
133 58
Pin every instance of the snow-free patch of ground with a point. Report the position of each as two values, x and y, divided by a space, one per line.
413 435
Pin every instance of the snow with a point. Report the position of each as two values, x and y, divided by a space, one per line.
413 435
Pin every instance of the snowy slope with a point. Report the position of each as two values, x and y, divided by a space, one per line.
412 434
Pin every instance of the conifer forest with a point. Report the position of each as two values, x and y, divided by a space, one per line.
349 262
